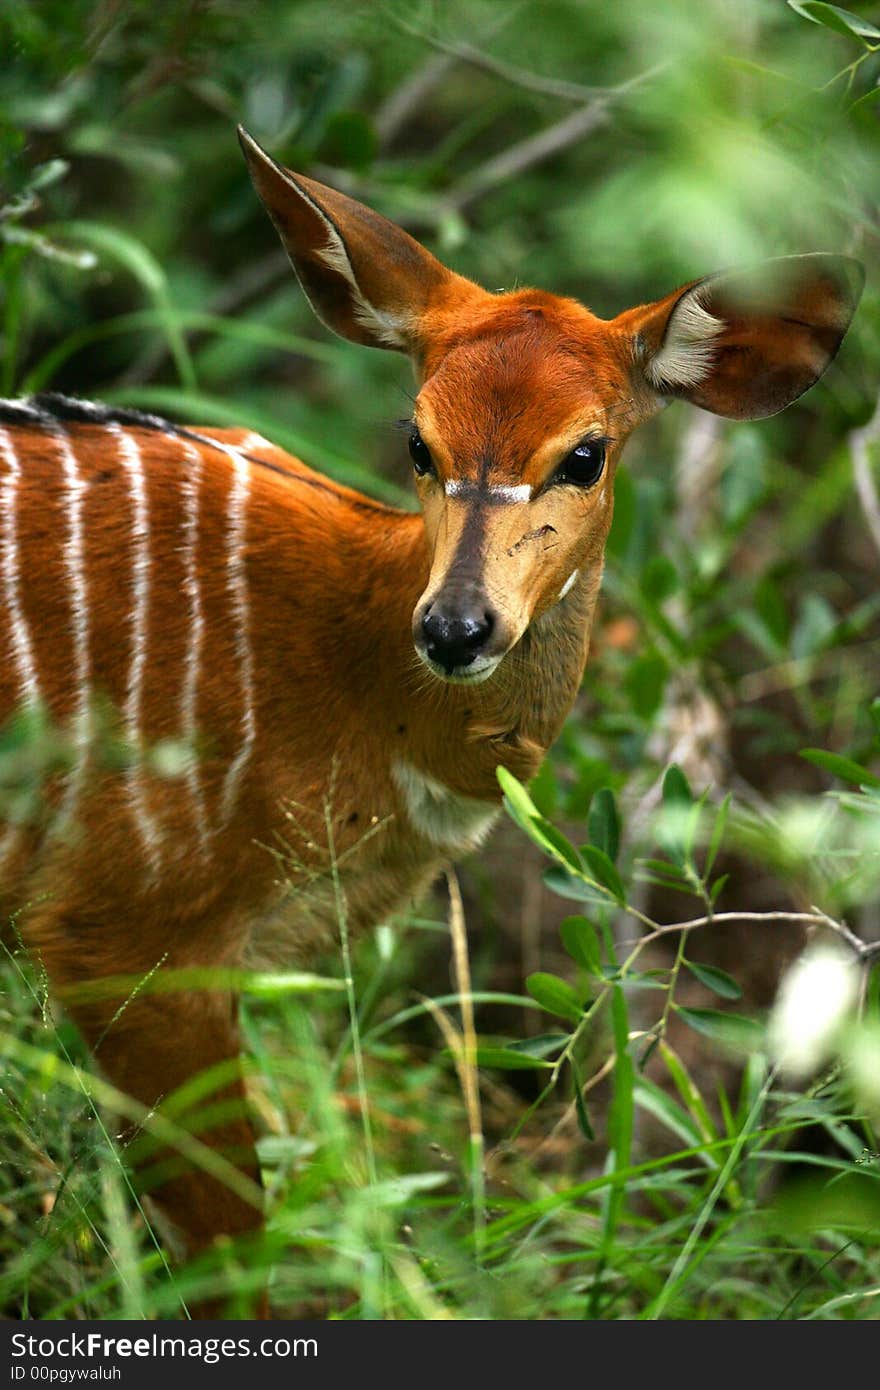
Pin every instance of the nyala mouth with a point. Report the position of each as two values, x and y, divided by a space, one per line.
461 675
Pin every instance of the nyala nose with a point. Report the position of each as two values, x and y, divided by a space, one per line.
454 639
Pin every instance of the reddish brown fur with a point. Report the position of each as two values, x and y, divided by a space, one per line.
509 384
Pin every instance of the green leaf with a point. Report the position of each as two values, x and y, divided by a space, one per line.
690 1093
559 880
717 888
523 811
582 943
815 627
833 17
717 837
757 631
604 872
733 1029
520 805
269 986
676 788
659 578
770 605
720 983
349 140
44 175
506 1059
583 1118
555 995
665 869
543 1045
844 768
142 264
393 1192
557 845
645 682
604 822
657 1102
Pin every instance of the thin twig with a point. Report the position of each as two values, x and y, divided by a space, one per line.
525 154
507 72
410 96
863 949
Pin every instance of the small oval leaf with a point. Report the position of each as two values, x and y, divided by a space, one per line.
555 995
581 941
720 983
604 872
845 768
604 822
733 1029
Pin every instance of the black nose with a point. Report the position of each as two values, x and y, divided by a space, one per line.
453 638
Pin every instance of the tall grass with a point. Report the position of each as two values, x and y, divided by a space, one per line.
394 1194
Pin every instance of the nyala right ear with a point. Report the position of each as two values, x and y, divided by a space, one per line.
746 343
365 278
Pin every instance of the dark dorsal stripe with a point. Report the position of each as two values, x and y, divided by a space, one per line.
50 409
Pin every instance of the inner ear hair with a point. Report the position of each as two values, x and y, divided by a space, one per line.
687 352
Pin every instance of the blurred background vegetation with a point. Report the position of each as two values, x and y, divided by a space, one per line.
610 153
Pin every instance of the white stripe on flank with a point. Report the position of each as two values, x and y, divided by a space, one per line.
74 563
21 637
130 457
463 487
252 441
192 485
238 590
22 647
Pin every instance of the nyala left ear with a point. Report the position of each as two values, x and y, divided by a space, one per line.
746 343
365 278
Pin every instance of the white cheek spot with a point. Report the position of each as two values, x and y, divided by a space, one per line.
454 822
569 584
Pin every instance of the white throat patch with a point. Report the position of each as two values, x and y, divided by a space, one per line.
457 823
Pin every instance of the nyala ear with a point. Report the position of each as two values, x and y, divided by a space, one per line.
364 277
746 343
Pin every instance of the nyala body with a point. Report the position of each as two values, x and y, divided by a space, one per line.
335 682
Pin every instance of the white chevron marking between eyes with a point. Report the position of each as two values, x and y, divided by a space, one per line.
463 487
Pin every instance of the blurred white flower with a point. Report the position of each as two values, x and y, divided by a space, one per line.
814 998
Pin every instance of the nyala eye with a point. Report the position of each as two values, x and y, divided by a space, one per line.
420 454
584 465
